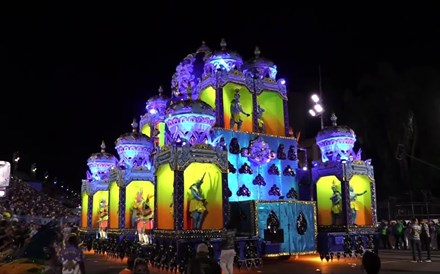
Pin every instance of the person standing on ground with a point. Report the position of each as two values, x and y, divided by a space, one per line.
425 239
72 257
227 253
202 263
414 239
398 231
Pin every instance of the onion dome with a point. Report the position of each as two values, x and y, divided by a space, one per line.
134 148
336 142
260 66
156 105
223 60
100 164
189 120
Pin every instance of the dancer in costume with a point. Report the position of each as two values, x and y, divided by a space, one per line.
236 110
144 221
136 207
353 204
336 199
103 219
197 207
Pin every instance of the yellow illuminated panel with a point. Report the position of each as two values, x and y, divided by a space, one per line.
98 198
211 190
246 103
161 127
325 190
137 192
361 203
84 209
208 96
273 115
165 187
146 130
114 205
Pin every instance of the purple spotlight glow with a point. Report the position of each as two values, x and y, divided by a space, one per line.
283 81
153 111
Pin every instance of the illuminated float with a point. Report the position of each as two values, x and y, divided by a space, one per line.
216 152
345 194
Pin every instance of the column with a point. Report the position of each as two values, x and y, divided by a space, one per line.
122 198
178 200
89 210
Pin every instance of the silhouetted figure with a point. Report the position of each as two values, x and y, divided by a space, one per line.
202 263
371 262
281 154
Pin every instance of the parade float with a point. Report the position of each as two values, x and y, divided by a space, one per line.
217 153
345 192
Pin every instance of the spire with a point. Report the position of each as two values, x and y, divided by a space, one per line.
160 91
203 48
334 119
134 125
103 146
257 52
223 44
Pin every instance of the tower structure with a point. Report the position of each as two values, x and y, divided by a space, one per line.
345 193
94 190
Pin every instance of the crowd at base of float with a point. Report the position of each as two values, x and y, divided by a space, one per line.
31 225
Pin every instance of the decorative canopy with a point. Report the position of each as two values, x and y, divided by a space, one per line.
336 142
156 105
134 148
223 60
189 120
261 67
100 164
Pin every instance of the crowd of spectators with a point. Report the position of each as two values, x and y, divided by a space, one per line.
395 234
22 200
23 211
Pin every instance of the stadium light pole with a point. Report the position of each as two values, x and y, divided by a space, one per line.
318 109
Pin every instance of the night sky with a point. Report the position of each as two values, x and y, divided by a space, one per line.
73 77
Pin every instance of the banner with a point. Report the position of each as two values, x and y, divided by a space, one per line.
5 173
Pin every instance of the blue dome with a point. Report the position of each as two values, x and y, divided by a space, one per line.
223 59
134 148
101 163
336 142
157 104
261 67
189 120
189 107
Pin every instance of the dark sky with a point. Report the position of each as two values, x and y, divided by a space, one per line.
72 76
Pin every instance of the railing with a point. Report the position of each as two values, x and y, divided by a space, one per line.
44 220
426 210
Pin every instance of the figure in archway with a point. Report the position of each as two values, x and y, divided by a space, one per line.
144 221
260 121
136 207
197 207
336 210
236 111
353 204
103 219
